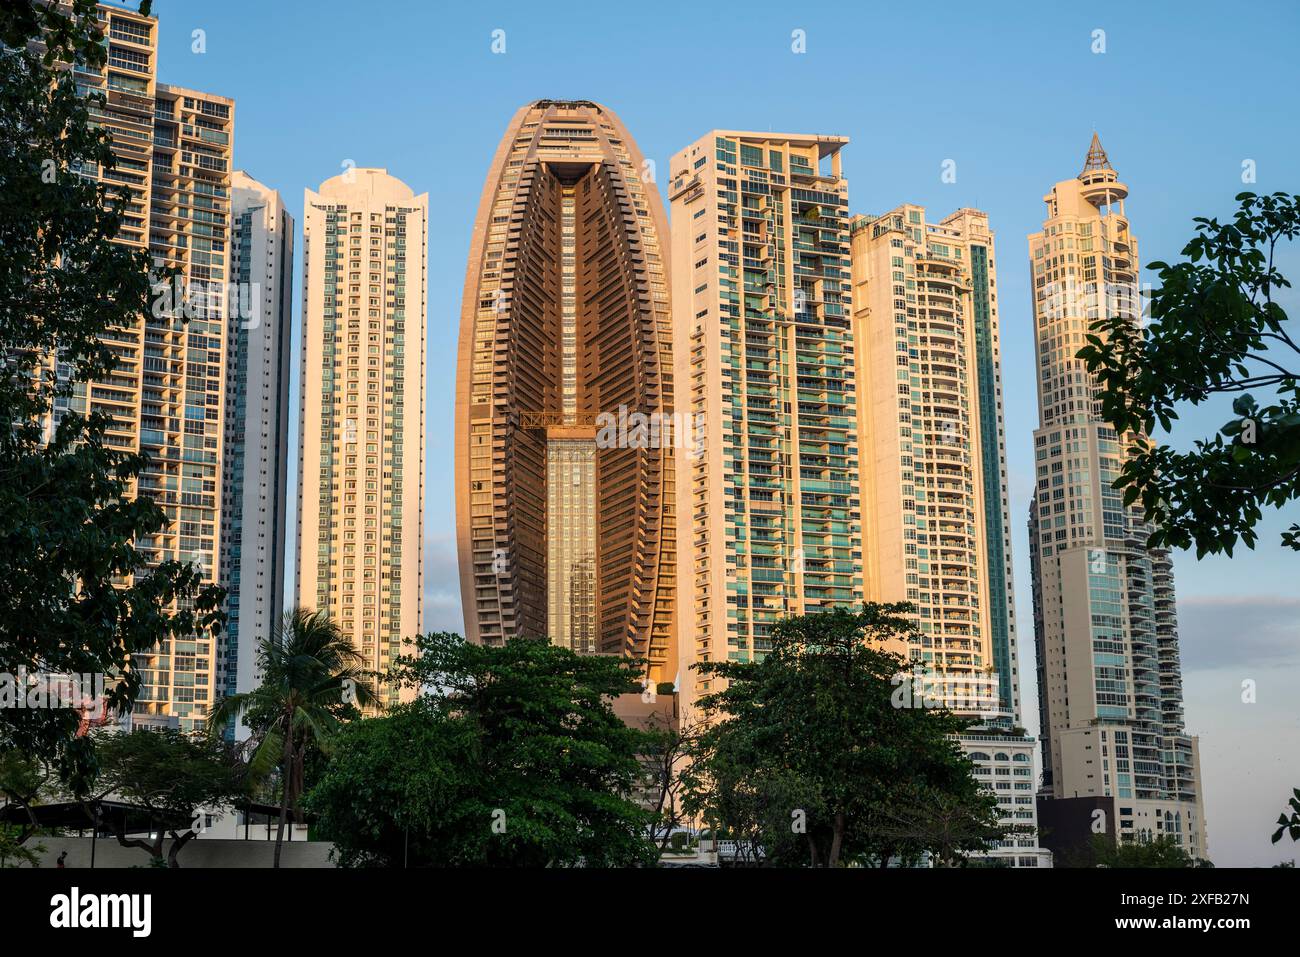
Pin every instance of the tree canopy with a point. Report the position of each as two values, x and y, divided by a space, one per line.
1216 330
173 775
510 756
808 760
76 595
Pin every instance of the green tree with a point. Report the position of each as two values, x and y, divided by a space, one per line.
25 783
946 823
1216 329
15 851
1289 825
811 758
667 749
76 596
399 791
511 756
312 680
1160 852
173 776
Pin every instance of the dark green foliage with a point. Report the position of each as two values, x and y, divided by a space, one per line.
1289 825
75 596
811 761
1216 330
1162 852
171 774
511 756
24 783
312 681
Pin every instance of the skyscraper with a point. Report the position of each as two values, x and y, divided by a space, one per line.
930 435
255 462
564 395
1105 630
165 398
361 438
934 478
764 369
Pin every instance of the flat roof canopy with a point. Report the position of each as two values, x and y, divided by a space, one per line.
135 818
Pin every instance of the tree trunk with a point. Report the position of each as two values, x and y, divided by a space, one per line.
287 765
154 848
178 841
837 840
299 759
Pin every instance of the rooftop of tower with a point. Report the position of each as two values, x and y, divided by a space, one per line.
365 182
826 145
1096 158
568 104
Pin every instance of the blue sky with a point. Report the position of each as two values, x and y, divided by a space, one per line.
1182 95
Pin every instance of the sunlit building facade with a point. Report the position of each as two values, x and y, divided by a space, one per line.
765 370
1106 633
934 480
361 437
173 149
564 501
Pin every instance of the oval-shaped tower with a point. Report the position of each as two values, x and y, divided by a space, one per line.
564 395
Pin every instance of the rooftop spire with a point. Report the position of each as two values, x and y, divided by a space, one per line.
1096 156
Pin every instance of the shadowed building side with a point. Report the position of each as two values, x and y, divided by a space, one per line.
565 529
254 481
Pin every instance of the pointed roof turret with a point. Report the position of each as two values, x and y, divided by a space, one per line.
1096 156
1101 185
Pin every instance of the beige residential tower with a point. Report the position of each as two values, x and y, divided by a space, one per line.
361 438
173 149
764 367
1106 633
934 480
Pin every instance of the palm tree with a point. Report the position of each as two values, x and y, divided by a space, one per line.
310 673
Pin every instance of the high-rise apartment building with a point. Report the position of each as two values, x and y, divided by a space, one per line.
255 464
564 395
765 370
1106 634
173 150
934 479
361 438
183 381
930 437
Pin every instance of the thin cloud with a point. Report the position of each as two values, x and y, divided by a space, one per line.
1219 631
